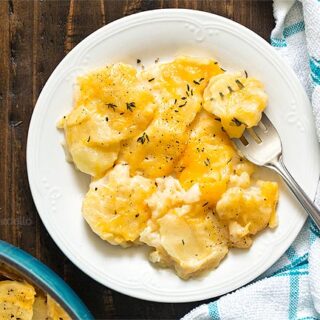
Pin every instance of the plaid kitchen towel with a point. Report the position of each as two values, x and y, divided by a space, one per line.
290 289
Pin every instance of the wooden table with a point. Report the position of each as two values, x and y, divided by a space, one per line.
34 38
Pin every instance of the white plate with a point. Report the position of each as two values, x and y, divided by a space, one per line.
58 189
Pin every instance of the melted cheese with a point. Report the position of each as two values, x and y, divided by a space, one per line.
247 211
178 88
238 100
115 206
208 160
112 105
165 173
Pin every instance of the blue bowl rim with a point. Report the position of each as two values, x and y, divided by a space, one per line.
46 279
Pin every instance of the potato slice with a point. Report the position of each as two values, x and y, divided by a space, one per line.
16 300
55 311
248 211
236 99
190 239
115 206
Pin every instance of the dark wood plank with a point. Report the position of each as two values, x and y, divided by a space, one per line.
34 37
49 31
19 208
4 103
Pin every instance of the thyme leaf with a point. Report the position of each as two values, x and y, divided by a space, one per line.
130 106
143 138
240 84
111 106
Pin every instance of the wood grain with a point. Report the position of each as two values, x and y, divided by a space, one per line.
34 38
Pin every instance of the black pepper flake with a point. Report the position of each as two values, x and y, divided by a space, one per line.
138 61
188 87
130 106
121 113
205 204
216 62
191 92
175 101
182 105
182 242
150 80
222 69
246 73
107 119
156 184
137 215
89 139
157 60
95 189
115 212
197 82
217 119
230 89
221 95
183 98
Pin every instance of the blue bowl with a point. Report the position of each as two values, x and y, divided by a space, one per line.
44 278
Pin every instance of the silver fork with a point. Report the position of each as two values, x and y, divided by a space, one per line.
262 146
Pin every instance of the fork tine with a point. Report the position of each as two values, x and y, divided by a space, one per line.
266 121
259 131
238 143
266 149
248 136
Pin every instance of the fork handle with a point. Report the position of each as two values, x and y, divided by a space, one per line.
302 197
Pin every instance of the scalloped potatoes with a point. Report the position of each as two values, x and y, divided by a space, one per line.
164 171
20 300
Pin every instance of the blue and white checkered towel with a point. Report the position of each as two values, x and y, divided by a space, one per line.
290 289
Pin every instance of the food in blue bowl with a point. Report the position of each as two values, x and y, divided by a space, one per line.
31 291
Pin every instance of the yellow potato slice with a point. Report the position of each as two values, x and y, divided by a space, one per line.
236 99
190 239
55 311
115 206
16 300
112 105
248 211
209 159
40 307
178 88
